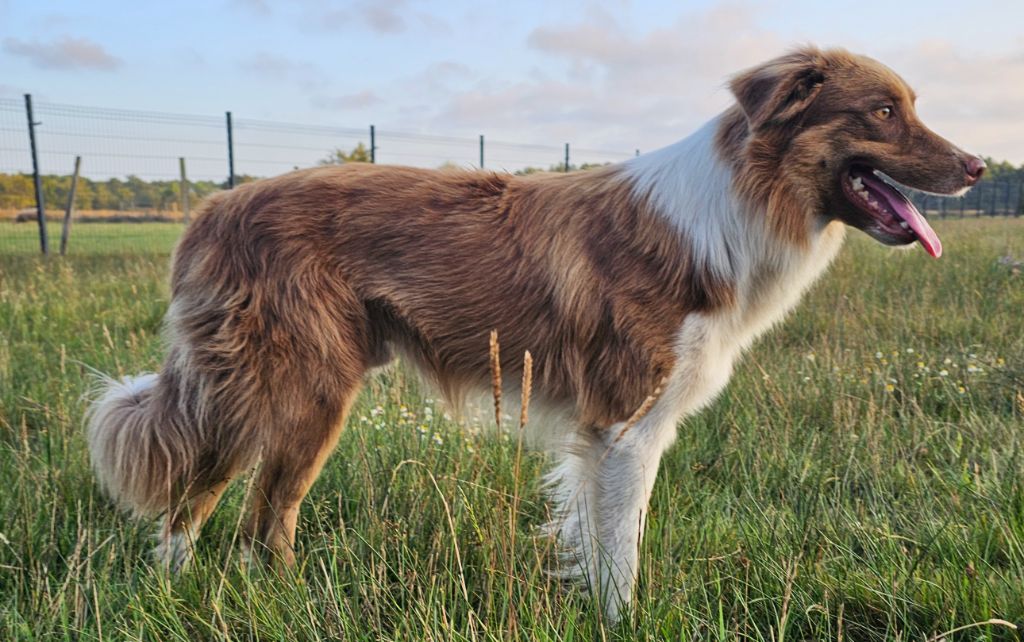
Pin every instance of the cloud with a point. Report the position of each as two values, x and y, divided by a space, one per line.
277 69
256 7
67 52
275 66
385 17
601 84
605 86
358 100
974 99
382 17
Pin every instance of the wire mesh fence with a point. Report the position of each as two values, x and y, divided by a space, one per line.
142 171
136 166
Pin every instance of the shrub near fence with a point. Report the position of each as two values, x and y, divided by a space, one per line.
143 170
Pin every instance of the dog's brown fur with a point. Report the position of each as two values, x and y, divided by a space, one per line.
285 292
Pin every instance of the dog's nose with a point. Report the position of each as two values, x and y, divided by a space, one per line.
974 167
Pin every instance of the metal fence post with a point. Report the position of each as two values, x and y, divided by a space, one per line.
995 194
481 151
566 157
65 231
44 242
231 152
1020 198
373 144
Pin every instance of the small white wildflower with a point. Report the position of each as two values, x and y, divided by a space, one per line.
437 439
973 369
910 351
943 373
428 412
811 357
806 379
878 355
947 361
363 418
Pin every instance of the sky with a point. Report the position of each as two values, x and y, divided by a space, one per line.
623 74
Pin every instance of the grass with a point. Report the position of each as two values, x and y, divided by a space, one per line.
861 478
91 238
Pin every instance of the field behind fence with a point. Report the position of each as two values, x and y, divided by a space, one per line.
142 171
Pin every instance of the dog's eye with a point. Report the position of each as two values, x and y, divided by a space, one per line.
884 112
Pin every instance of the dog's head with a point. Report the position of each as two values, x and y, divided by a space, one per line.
841 129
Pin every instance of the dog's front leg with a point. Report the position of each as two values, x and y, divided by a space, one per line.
602 486
625 478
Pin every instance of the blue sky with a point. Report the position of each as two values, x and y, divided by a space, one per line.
619 74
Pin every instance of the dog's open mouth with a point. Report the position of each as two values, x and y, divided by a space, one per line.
895 220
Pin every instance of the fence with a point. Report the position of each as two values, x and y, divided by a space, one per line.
142 170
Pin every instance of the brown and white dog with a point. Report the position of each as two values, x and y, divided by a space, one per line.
652 275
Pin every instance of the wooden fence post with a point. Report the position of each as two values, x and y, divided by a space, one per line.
65 230
183 189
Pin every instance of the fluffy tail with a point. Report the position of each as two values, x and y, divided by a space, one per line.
143 447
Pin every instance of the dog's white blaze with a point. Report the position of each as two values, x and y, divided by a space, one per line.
692 188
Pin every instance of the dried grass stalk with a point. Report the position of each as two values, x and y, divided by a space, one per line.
640 412
527 389
496 376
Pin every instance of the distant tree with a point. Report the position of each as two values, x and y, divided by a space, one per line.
359 154
560 167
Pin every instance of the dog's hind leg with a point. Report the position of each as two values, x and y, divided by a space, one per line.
181 527
292 461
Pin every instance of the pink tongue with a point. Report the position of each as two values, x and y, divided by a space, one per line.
904 209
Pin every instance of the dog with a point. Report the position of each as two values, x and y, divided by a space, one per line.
635 287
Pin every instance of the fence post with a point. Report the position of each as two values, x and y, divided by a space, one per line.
995 194
231 151
1020 198
481 151
637 152
373 144
566 157
65 231
183 189
44 242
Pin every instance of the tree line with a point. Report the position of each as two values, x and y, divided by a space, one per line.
17 192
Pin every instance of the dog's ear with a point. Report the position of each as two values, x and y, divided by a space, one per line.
781 89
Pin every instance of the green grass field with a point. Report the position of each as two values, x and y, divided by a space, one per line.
91 238
861 478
